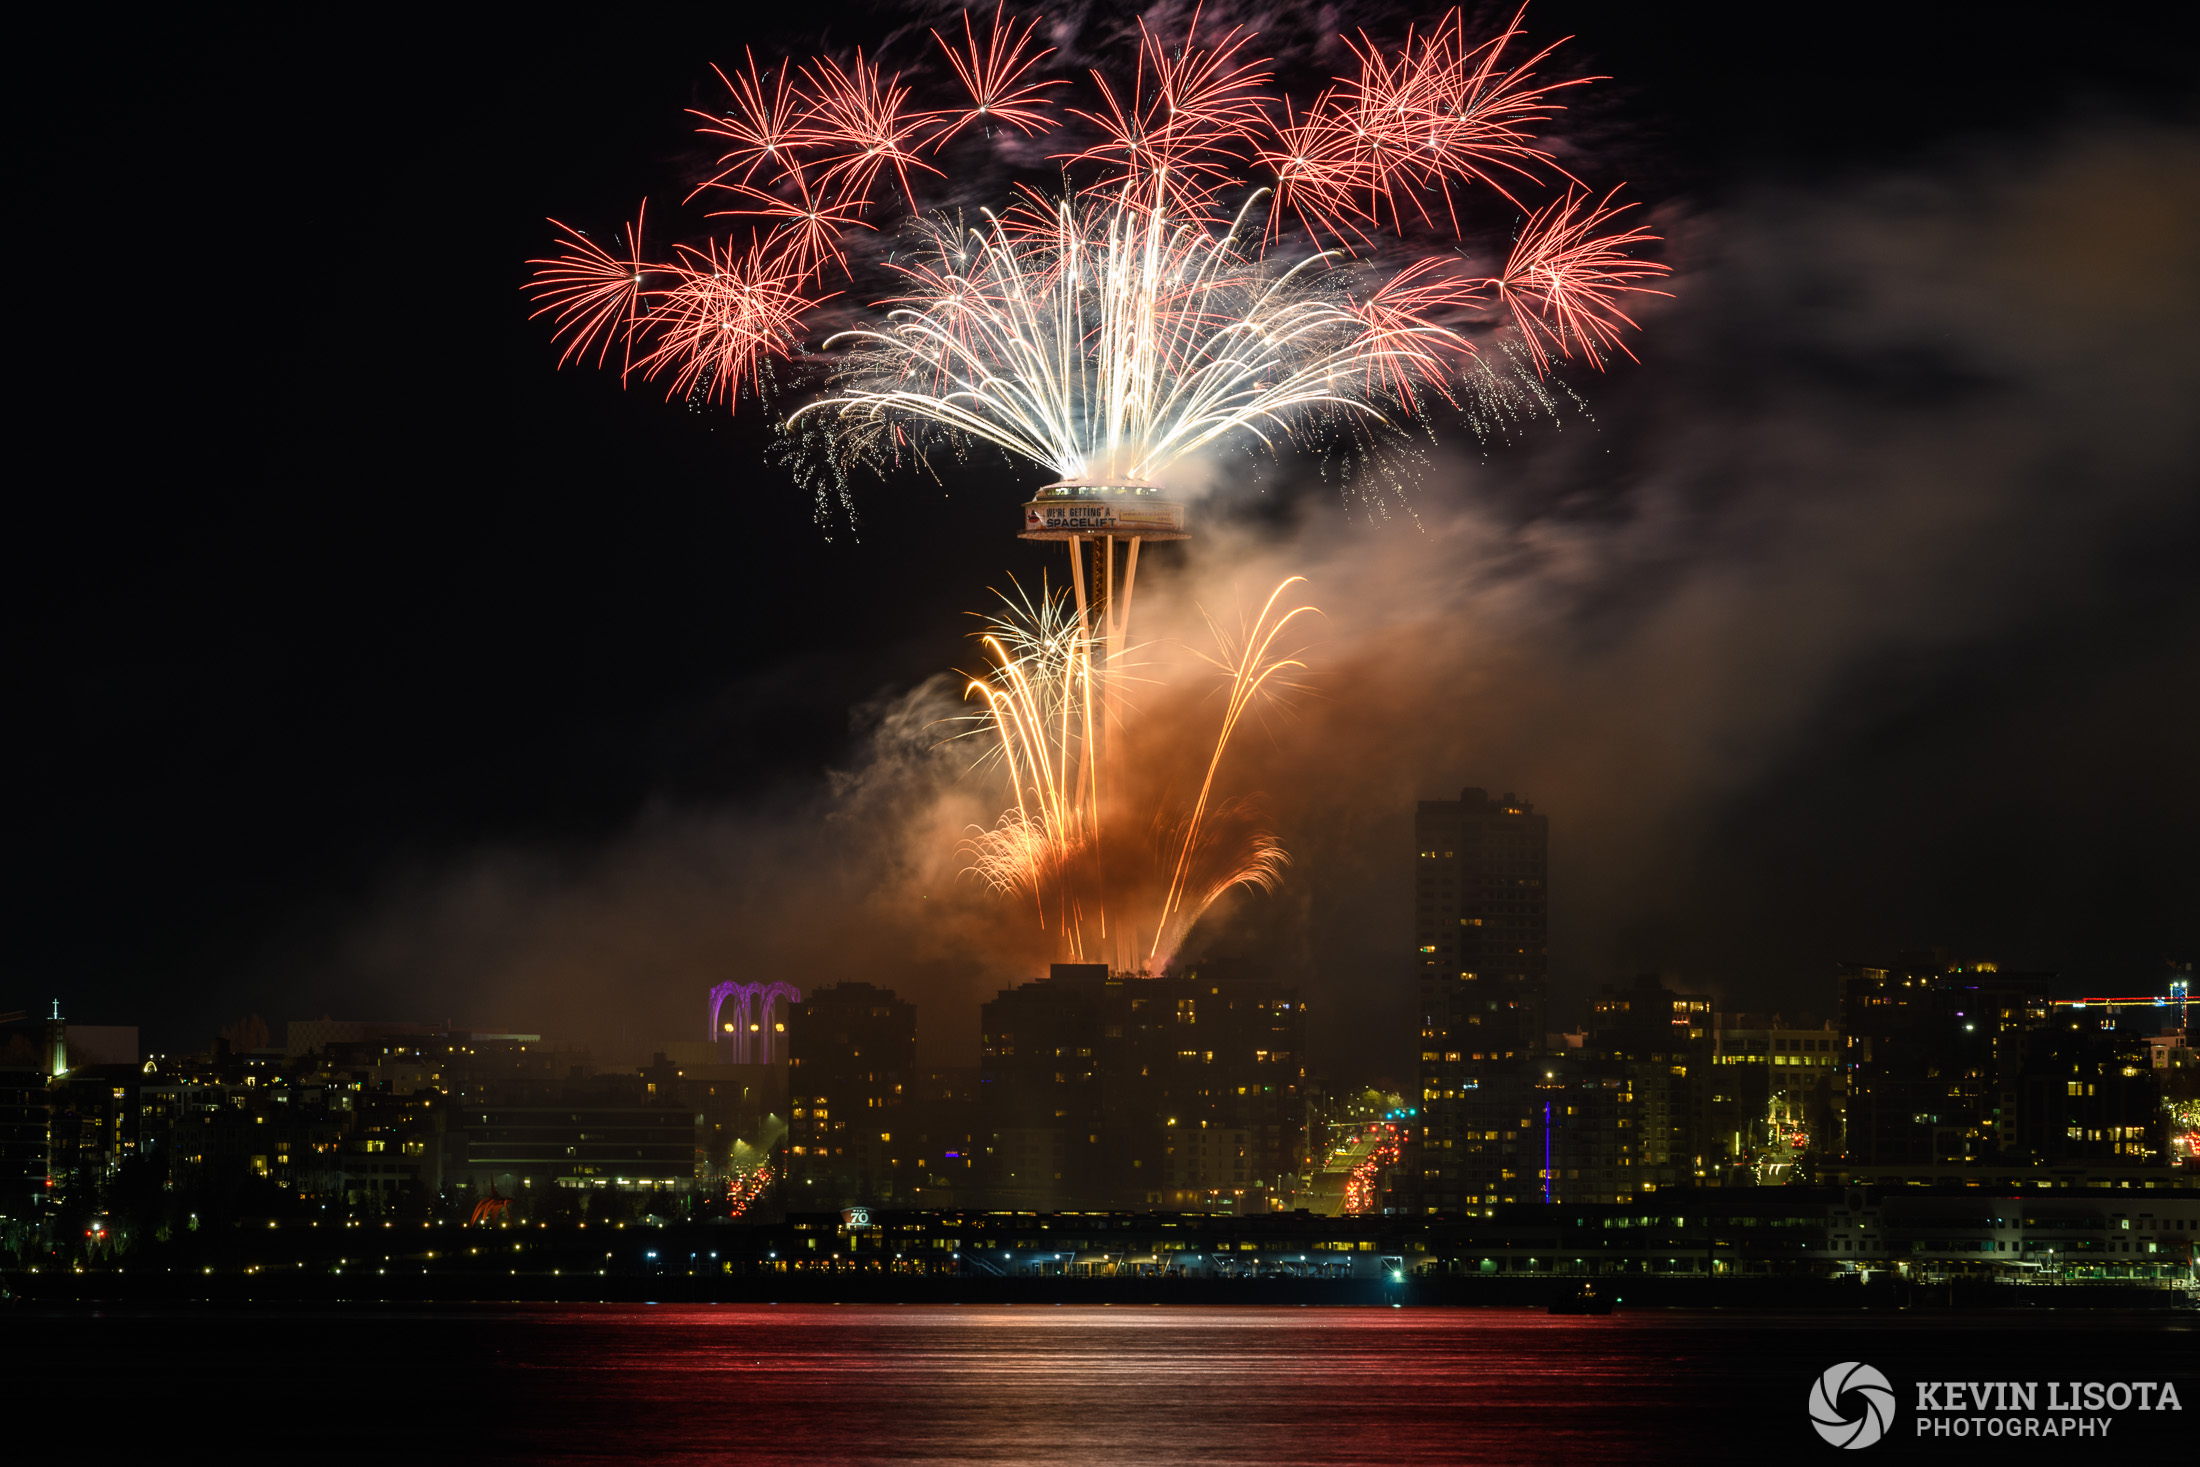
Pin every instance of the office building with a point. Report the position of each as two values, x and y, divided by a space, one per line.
1959 1068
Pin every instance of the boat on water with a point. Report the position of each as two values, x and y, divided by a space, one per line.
1588 1299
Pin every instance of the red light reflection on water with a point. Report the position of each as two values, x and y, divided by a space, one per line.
1051 1383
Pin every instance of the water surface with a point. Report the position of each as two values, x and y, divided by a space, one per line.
677 1384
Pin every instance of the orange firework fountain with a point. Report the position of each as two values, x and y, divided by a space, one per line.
1104 884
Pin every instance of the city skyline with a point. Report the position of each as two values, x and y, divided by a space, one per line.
361 712
1445 940
1091 1092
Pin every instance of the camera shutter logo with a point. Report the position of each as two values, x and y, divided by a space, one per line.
1846 1388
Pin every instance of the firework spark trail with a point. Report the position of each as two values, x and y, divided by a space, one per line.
1193 340
1254 665
1065 845
1412 304
1041 708
1410 124
810 229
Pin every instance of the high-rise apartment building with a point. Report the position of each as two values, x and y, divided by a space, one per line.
1108 1090
851 1052
936 1145
1625 1107
1481 873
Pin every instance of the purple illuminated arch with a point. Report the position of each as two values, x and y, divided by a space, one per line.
755 1039
774 1040
742 995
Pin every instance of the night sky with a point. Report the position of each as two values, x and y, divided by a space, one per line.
323 583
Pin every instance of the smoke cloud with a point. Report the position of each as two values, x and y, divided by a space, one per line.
1892 437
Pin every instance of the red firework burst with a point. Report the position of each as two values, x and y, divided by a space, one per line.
1176 137
1482 109
809 230
592 295
764 126
1415 316
1439 112
859 122
1564 281
993 75
1376 158
723 318
1322 173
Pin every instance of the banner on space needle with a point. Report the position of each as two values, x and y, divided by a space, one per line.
1141 515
